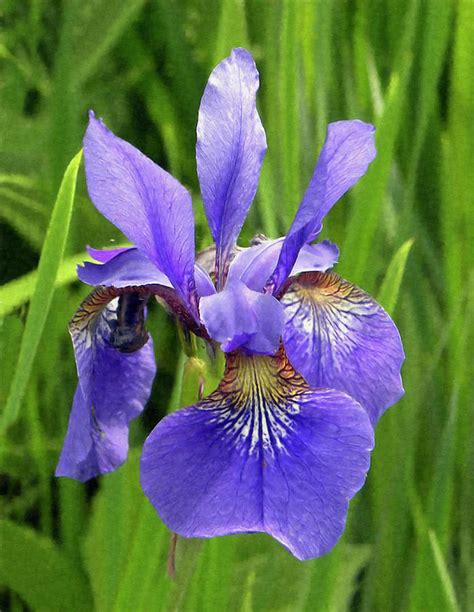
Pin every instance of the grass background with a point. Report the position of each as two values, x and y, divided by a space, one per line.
407 66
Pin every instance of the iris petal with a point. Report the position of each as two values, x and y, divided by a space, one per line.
126 269
254 265
131 267
344 158
263 452
337 336
230 148
238 317
113 387
105 255
146 203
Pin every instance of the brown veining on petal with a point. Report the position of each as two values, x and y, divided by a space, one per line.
250 379
98 299
328 290
324 285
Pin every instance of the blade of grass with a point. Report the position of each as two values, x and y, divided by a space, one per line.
20 290
443 573
369 195
160 104
390 523
289 111
25 203
18 180
218 573
437 19
324 59
28 226
266 201
145 559
457 232
47 271
232 29
268 195
388 293
40 572
96 28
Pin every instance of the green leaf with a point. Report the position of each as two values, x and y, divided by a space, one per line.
51 256
332 580
354 559
126 544
432 588
29 226
443 573
35 568
18 180
93 29
435 39
369 194
27 216
388 294
289 110
20 290
232 29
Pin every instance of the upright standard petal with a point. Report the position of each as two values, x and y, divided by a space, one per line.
146 203
116 367
263 452
338 336
254 265
344 158
230 148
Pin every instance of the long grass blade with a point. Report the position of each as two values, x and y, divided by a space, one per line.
40 572
47 271
388 293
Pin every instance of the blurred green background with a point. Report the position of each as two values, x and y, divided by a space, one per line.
407 66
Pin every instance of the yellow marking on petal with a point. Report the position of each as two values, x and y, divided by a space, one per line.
271 377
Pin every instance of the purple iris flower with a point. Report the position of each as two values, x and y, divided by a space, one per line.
312 361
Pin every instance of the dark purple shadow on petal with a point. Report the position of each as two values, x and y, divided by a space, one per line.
344 158
146 203
230 148
254 265
264 452
337 336
113 389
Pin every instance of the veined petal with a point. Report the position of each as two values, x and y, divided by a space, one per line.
337 336
263 452
230 148
131 267
105 255
116 368
146 203
238 317
254 265
344 158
